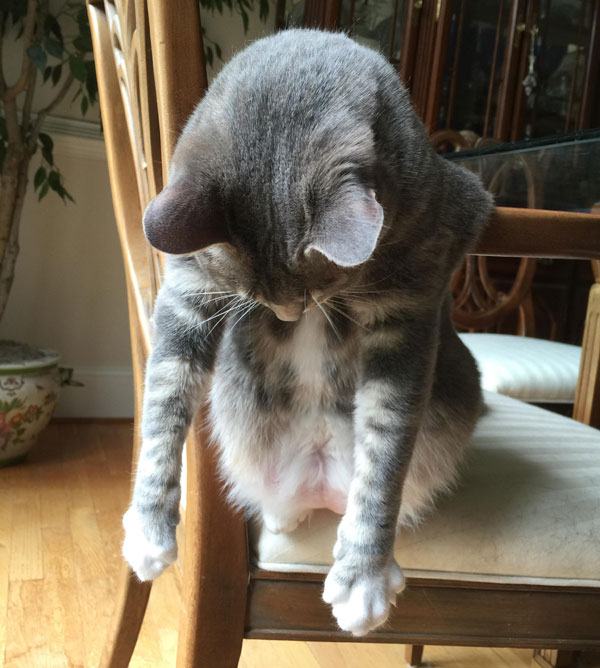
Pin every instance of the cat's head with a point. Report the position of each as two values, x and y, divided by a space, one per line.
279 181
285 245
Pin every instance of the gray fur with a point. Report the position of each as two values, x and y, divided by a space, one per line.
296 129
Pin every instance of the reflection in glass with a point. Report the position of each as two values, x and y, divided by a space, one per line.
375 23
564 175
560 45
473 65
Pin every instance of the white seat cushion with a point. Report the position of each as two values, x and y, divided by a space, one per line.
525 368
527 509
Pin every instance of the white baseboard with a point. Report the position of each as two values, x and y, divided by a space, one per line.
107 392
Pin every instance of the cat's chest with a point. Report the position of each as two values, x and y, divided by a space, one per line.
322 365
307 352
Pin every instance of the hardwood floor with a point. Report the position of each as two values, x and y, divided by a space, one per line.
60 536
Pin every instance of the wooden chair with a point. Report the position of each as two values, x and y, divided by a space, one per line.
151 74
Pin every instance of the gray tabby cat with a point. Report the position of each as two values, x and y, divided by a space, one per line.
313 233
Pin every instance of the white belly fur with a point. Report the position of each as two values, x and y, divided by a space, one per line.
309 464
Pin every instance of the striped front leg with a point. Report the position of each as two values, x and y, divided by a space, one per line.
183 354
398 359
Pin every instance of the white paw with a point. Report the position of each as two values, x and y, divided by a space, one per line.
146 558
361 603
281 523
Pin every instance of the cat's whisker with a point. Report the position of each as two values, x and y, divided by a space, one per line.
200 293
236 305
341 312
353 297
249 308
214 299
329 320
368 285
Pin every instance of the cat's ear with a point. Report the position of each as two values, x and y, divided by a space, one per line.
180 220
347 232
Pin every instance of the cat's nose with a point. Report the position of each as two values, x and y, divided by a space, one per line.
288 313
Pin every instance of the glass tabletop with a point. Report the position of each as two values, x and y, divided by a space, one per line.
557 173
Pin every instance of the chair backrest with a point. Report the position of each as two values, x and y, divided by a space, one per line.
147 91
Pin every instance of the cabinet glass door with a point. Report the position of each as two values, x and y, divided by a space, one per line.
374 23
481 49
559 81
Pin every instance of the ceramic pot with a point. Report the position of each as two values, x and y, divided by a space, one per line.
29 388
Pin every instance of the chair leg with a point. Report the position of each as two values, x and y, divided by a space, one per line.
554 658
413 654
215 566
126 620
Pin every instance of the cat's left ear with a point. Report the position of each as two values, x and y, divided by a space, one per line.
347 232
182 220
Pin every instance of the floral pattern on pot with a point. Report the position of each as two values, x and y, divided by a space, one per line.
28 394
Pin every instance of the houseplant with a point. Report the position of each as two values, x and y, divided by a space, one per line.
52 46
50 41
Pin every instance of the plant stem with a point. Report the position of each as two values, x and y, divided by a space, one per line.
7 272
26 64
2 79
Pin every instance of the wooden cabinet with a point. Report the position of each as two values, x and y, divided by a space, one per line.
507 69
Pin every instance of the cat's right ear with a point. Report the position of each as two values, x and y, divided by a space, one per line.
179 220
347 231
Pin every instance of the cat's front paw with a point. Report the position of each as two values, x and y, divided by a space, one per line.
361 599
147 557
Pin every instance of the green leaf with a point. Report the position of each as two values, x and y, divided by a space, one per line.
47 73
54 180
46 140
52 26
84 105
82 20
91 83
39 178
43 191
244 15
83 43
47 154
77 67
56 74
53 47
14 7
37 55
264 10
47 148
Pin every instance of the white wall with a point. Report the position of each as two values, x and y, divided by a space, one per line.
69 291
